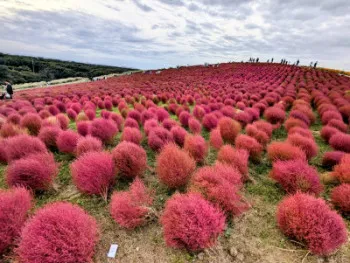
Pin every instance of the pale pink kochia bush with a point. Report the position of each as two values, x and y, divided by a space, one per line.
190 222
88 144
196 146
131 208
59 232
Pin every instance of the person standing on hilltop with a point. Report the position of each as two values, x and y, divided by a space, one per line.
315 65
8 91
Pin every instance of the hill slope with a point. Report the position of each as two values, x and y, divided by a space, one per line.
22 69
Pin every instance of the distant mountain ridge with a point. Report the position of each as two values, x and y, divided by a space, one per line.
23 69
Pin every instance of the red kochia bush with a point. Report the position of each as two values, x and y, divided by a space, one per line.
274 115
131 208
342 170
130 159
14 207
32 122
104 129
10 130
67 141
94 173
340 197
131 135
264 126
215 139
257 134
229 129
158 137
220 187
23 145
191 222
59 232
210 121
196 146
49 136
83 128
332 158
235 157
307 145
36 171
88 144
308 219
194 125
296 175
251 145
174 166
340 142
284 151
327 132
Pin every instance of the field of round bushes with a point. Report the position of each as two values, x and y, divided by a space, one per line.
235 162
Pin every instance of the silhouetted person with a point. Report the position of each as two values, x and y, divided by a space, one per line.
257 60
297 62
268 61
315 65
272 60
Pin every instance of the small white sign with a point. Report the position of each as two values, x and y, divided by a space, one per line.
112 251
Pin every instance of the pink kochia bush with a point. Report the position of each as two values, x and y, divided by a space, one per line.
88 144
251 145
59 232
342 170
36 171
14 207
309 220
32 122
131 135
307 145
130 159
131 208
23 145
274 115
340 142
174 166
215 139
104 129
83 128
196 146
331 159
284 151
49 136
296 175
229 129
179 135
67 141
220 184
340 197
190 222
158 137
94 173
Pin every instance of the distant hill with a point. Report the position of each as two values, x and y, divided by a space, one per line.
23 69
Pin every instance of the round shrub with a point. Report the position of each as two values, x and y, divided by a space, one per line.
210 121
10 130
59 232
14 207
251 145
340 197
131 208
131 135
83 128
293 122
196 147
296 175
257 134
184 118
229 129
49 136
194 125
235 157
130 122
130 159
342 170
215 139
190 222
327 132
309 220
340 142
36 171
71 114
307 145
301 131
179 134
88 144
104 129
32 122
63 121
158 137
274 115
94 173
149 125
331 159
264 126
174 166
221 188
14 118
338 124
284 151
67 141
23 145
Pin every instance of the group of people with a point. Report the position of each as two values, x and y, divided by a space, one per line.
7 92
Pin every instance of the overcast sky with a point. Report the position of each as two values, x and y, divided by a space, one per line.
163 33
